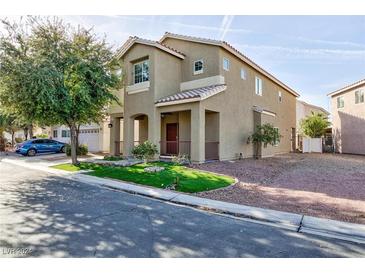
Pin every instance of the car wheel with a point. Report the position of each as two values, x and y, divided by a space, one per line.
63 149
31 152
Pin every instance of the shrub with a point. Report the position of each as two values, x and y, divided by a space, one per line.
145 151
81 150
42 136
181 159
113 158
265 134
18 140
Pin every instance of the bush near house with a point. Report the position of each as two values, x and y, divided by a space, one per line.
145 151
81 150
264 135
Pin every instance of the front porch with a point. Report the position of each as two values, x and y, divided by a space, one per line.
192 132
177 129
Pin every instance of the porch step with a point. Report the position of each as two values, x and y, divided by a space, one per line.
166 158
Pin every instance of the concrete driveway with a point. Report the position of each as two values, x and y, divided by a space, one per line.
45 216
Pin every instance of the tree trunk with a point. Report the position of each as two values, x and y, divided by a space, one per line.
12 138
25 130
73 130
30 131
77 135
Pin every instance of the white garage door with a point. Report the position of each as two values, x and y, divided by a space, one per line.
90 137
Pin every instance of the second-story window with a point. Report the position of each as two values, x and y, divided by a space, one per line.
340 102
359 96
198 67
280 96
226 64
258 86
141 72
243 74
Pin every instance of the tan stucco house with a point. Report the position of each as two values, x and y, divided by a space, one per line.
304 110
348 118
199 97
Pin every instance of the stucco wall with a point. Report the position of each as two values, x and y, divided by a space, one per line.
348 123
194 52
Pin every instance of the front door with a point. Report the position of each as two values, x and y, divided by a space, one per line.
172 146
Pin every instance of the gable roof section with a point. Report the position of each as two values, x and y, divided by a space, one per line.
233 51
192 95
314 106
346 88
136 40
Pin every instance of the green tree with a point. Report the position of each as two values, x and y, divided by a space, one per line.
10 124
54 74
264 135
315 125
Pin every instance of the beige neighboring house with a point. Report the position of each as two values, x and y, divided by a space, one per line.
199 97
304 110
95 136
348 118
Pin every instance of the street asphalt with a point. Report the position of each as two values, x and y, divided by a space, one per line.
42 215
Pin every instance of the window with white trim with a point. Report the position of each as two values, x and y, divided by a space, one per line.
258 86
243 74
226 64
55 133
280 96
65 133
340 102
359 96
141 72
198 67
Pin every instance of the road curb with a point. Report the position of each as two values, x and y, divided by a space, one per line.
296 222
335 229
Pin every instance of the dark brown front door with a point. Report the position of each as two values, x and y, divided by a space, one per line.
172 139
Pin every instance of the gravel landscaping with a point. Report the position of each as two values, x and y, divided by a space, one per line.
323 185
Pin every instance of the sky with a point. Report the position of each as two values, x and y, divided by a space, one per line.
314 55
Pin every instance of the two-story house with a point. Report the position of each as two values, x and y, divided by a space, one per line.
348 118
199 97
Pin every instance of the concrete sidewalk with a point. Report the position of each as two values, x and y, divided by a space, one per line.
295 222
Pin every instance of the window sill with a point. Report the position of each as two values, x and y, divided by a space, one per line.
198 72
140 87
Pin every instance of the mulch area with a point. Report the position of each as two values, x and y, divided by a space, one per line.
323 185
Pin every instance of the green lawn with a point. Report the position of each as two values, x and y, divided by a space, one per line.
190 180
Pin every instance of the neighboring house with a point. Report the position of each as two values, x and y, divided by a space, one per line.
19 134
304 110
348 118
199 97
95 136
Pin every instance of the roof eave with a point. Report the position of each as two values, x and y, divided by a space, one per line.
130 42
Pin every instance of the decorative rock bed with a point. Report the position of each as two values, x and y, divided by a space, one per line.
154 169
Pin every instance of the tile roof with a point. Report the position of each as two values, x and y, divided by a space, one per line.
135 39
191 94
234 51
354 85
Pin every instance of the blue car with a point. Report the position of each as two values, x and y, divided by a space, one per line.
34 146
